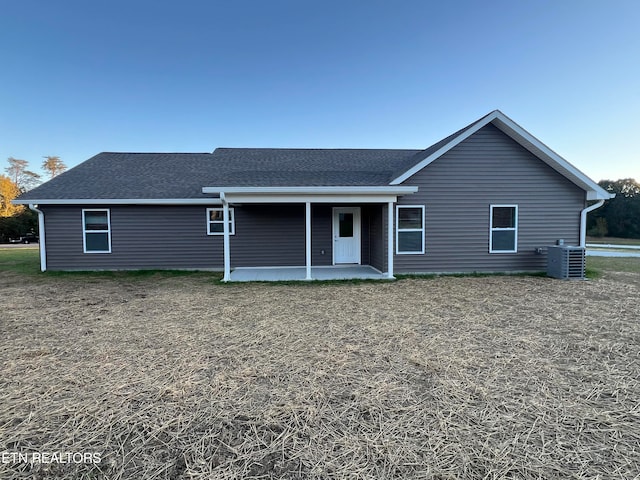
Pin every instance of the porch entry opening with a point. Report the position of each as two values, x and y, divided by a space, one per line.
346 235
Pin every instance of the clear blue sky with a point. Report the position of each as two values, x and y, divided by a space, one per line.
80 77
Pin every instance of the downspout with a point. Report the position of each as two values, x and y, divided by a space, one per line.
41 237
583 221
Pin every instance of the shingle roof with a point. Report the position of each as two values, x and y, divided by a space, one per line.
163 176
182 175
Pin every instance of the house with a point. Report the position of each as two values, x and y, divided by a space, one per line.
487 198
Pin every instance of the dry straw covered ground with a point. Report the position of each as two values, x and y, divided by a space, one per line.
172 377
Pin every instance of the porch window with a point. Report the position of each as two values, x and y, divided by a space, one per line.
96 226
215 221
409 229
503 229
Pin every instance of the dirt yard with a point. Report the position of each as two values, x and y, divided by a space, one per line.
178 377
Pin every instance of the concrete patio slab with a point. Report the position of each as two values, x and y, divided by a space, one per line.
279 274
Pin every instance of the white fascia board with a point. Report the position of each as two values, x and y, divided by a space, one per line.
444 149
345 190
238 198
597 195
121 201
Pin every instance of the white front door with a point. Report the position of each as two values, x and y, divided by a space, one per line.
346 235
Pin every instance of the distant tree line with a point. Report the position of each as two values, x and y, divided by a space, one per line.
16 220
620 216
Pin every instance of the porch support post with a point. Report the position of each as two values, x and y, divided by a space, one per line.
390 231
225 230
308 239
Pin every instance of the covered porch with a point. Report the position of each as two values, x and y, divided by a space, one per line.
323 273
301 252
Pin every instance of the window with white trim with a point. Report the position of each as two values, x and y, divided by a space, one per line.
215 221
503 229
409 229
96 227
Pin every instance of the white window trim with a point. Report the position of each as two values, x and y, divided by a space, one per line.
85 231
232 221
398 229
513 229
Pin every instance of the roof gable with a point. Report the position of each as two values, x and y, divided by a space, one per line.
518 134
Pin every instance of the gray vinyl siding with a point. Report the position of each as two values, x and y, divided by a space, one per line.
269 236
175 237
365 239
457 190
322 235
378 238
274 235
142 237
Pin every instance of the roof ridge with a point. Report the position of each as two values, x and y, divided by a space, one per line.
322 149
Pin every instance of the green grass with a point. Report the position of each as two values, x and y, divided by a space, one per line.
401 276
135 274
614 240
20 260
614 264
592 273
25 261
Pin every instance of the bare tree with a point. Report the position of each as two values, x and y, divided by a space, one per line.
20 175
53 166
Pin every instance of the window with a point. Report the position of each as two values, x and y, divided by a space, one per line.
345 225
503 229
409 229
96 225
215 222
